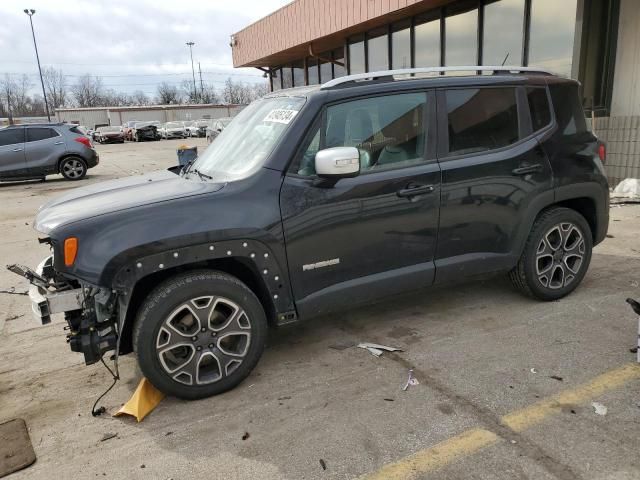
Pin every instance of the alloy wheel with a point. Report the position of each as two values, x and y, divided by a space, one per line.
73 168
560 255
203 340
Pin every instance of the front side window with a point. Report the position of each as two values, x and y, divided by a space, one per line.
35 134
539 107
11 136
388 131
245 144
481 119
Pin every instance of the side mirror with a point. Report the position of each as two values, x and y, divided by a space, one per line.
338 162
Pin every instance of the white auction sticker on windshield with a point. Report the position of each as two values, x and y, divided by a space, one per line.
280 115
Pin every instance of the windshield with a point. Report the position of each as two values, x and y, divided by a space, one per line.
245 144
109 129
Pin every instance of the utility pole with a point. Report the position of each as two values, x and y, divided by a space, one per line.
193 71
201 84
30 12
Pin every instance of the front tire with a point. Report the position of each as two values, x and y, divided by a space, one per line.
556 256
73 168
199 334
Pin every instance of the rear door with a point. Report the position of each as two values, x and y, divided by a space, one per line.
12 159
495 176
43 148
372 235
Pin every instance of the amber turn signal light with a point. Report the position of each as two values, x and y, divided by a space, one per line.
70 250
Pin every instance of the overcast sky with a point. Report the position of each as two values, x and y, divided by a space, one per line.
132 44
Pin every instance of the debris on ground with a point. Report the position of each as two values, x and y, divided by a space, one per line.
599 408
323 464
556 377
533 370
389 399
12 291
245 436
627 191
411 381
142 402
13 317
376 350
108 436
343 345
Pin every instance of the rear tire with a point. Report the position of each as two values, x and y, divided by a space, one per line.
73 168
199 333
556 256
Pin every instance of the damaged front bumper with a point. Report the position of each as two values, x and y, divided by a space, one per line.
45 303
90 312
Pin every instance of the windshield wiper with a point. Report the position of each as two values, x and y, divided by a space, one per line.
202 175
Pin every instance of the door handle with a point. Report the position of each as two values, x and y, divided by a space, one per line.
413 190
59 143
527 169
17 149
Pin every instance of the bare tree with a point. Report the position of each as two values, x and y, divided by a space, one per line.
55 85
187 92
88 91
139 98
241 93
14 95
168 94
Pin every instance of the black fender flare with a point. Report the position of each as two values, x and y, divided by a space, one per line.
274 276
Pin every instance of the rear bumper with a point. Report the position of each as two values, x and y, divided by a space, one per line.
92 159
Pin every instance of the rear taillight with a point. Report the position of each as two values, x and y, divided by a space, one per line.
602 152
85 141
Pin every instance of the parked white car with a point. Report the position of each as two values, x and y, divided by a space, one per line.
174 130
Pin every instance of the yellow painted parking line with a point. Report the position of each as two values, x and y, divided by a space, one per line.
476 439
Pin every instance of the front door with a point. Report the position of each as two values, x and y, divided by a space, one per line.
12 161
374 234
43 148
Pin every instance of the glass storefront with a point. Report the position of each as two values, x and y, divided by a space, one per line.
493 30
503 32
551 39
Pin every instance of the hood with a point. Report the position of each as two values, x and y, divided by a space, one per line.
115 195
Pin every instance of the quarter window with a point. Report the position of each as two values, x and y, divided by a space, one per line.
481 119
539 107
389 132
35 134
11 136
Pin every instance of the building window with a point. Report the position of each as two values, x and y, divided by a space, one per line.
312 71
551 35
427 42
338 56
503 32
401 45
481 119
287 80
298 73
276 79
461 38
356 55
378 50
325 67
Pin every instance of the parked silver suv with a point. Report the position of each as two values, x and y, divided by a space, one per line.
35 151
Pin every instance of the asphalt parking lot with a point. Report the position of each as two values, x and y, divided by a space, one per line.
506 383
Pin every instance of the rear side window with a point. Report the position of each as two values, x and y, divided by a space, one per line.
11 136
539 107
481 119
569 112
35 134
